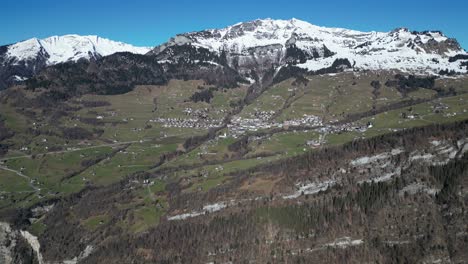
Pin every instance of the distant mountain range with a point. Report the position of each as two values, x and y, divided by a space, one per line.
255 48
24 59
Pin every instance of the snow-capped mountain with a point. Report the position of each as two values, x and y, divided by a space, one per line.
271 43
58 49
22 60
261 52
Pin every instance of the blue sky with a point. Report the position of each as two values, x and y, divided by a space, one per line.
148 23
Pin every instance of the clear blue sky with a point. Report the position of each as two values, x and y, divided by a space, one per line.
148 23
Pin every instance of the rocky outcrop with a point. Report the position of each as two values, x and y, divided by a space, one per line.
18 247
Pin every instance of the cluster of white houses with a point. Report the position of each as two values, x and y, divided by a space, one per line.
259 120
306 120
330 129
239 125
188 122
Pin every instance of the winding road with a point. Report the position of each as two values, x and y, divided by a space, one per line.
30 181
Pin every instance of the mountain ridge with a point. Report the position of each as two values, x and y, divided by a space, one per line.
316 47
24 59
59 46
256 50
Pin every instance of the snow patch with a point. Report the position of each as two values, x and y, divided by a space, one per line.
418 187
344 242
366 160
19 78
310 188
385 177
425 157
34 243
210 208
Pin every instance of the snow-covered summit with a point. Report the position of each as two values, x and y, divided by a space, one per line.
24 59
423 52
58 49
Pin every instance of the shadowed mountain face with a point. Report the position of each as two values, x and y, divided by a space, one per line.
120 72
11 73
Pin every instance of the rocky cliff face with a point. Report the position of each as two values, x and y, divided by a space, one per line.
15 248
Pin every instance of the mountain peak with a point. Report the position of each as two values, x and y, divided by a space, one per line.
24 59
316 47
71 47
